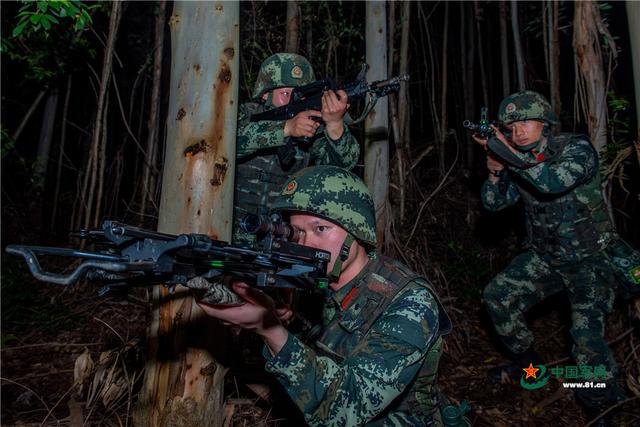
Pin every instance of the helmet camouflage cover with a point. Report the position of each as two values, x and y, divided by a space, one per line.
526 105
334 194
282 70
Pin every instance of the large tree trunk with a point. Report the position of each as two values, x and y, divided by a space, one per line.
293 25
376 145
633 15
149 171
183 383
591 81
517 45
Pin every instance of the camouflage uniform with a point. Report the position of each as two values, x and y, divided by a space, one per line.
259 174
375 361
568 228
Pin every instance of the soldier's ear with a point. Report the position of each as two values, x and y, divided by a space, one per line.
264 96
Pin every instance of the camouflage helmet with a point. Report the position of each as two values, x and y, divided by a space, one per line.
334 194
526 105
282 70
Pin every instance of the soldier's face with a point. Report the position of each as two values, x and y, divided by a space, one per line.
319 233
280 97
525 132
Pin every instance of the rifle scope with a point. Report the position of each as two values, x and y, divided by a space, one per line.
261 225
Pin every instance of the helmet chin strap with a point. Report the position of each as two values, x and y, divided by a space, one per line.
334 275
269 101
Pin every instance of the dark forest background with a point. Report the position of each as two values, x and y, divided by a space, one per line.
50 85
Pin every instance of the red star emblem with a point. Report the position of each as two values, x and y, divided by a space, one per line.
531 371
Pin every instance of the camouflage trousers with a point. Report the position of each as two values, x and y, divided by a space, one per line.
532 277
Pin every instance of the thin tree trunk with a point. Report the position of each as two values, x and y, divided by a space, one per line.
149 166
403 106
102 160
183 384
554 58
376 147
591 82
42 162
44 142
504 55
309 37
469 79
63 138
293 20
546 32
515 27
483 74
633 17
88 193
27 116
443 93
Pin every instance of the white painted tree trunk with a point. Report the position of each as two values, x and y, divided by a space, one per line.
183 382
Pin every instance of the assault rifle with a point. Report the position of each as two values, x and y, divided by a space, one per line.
133 256
309 97
483 130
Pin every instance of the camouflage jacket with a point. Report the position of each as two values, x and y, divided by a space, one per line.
259 175
375 362
565 209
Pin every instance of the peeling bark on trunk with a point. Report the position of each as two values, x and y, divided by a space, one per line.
591 82
183 383
376 146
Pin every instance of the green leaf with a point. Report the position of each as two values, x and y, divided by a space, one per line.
45 22
19 28
35 19
42 5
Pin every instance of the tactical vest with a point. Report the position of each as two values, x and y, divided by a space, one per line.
572 225
365 303
259 179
